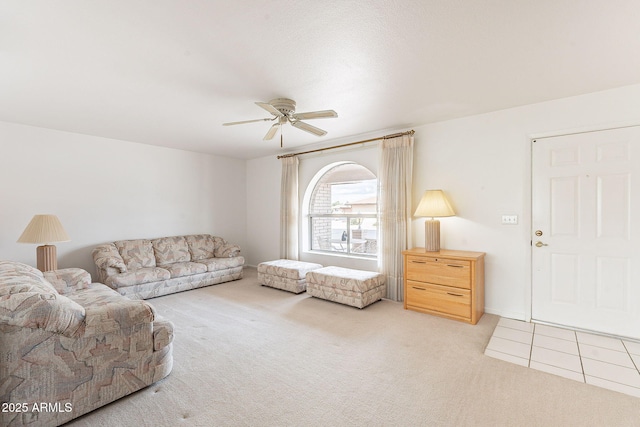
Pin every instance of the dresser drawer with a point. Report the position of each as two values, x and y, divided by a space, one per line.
443 299
441 271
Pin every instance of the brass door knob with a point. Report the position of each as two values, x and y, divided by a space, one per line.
540 244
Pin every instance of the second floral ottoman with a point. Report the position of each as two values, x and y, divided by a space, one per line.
356 288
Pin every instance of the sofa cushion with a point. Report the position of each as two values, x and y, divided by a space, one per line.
28 300
215 264
20 277
108 312
19 268
171 249
136 253
201 246
179 269
68 279
138 276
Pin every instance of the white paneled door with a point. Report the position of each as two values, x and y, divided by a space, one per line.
586 231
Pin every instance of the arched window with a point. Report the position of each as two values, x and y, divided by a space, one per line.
343 211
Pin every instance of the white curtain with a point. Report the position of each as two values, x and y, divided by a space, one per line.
394 200
289 208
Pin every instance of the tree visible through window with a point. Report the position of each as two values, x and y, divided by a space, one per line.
343 211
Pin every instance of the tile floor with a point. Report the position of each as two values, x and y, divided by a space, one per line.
602 361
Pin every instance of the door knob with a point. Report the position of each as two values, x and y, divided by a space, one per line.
540 244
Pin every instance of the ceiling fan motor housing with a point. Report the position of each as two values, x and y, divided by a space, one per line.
283 110
284 105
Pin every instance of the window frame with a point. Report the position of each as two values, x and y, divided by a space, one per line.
348 252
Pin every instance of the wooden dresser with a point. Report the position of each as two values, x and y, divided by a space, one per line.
446 283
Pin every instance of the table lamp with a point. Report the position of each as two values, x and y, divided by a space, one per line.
45 229
433 204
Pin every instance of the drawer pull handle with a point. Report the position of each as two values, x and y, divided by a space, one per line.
420 289
455 266
454 295
419 262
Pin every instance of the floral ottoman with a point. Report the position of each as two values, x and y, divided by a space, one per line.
356 288
285 274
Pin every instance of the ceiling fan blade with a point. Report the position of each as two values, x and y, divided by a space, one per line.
271 133
270 108
308 128
246 121
324 114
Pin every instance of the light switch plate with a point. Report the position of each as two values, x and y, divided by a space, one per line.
509 219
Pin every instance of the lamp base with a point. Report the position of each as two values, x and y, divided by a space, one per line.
47 258
432 235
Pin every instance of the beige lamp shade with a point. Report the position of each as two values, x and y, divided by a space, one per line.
434 204
44 229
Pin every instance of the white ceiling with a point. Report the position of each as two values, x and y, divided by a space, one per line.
170 72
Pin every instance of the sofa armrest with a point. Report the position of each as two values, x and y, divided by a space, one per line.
108 261
228 251
68 279
162 333
107 255
222 249
115 316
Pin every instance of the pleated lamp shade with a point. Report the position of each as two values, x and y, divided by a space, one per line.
433 204
45 229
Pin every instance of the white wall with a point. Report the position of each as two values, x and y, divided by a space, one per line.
104 190
483 163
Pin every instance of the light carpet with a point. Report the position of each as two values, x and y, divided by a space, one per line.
247 355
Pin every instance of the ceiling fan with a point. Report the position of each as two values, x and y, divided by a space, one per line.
283 110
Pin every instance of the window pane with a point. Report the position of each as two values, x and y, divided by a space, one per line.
329 234
364 237
346 188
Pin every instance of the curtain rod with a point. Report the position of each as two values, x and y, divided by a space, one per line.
395 135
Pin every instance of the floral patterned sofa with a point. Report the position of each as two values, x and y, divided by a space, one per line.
144 268
69 346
